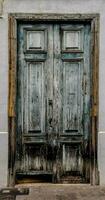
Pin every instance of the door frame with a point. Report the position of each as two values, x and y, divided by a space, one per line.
93 19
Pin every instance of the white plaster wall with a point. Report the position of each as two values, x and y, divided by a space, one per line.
50 6
3 158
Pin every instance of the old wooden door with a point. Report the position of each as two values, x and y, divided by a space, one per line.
53 102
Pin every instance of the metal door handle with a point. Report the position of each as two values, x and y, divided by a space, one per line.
50 102
84 84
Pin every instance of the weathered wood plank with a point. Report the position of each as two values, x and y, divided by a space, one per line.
55 16
12 67
12 99
73 104
95 99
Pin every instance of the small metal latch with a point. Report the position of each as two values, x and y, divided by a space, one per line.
50 102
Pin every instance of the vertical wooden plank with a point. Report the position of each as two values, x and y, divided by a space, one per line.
35 94
94 117
87 101
73 104
57 99
20 99
12 100
72 97
49 81
12 66
31 100
49 99
58 86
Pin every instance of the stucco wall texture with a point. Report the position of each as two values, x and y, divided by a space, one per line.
48 6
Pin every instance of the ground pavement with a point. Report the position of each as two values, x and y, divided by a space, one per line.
63 192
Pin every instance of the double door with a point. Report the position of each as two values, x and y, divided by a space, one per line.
53 102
